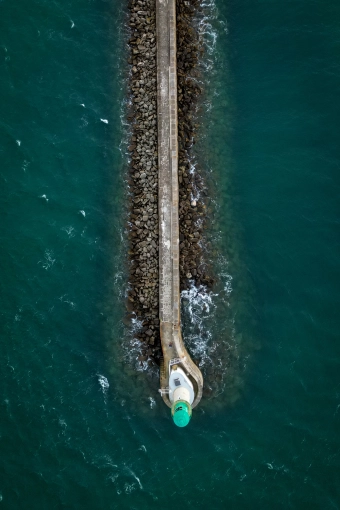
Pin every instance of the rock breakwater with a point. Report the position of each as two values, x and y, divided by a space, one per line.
143 294
143 182
192 218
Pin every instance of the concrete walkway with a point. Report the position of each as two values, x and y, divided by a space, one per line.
169 288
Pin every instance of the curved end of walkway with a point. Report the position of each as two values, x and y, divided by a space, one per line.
174 349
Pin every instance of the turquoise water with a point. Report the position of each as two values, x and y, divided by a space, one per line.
79 426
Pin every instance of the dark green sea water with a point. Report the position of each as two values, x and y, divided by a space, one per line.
80 428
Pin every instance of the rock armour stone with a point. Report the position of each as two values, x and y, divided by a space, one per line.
192 218
143 183
143 294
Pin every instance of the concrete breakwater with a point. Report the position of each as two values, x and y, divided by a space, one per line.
143 296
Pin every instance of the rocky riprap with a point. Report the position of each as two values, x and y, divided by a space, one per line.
191 210
143 181
143 294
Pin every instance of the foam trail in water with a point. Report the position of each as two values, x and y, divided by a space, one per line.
48 260
208 331
198 305
70 231
104 384
134 476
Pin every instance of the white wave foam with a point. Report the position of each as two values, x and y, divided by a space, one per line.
135 477
208 35
105 121
104 384
25 165
129 487
228 288
199 306
64 300
152 402
136 324
48 260
69 231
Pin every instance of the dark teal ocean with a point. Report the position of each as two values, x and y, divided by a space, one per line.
81 427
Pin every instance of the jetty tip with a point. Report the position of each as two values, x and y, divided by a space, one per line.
181 413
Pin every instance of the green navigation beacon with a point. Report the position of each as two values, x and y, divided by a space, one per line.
181 413
181 395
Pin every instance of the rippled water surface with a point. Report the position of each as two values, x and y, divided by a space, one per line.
80 425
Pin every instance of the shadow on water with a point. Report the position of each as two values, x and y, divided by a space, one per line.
219 326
